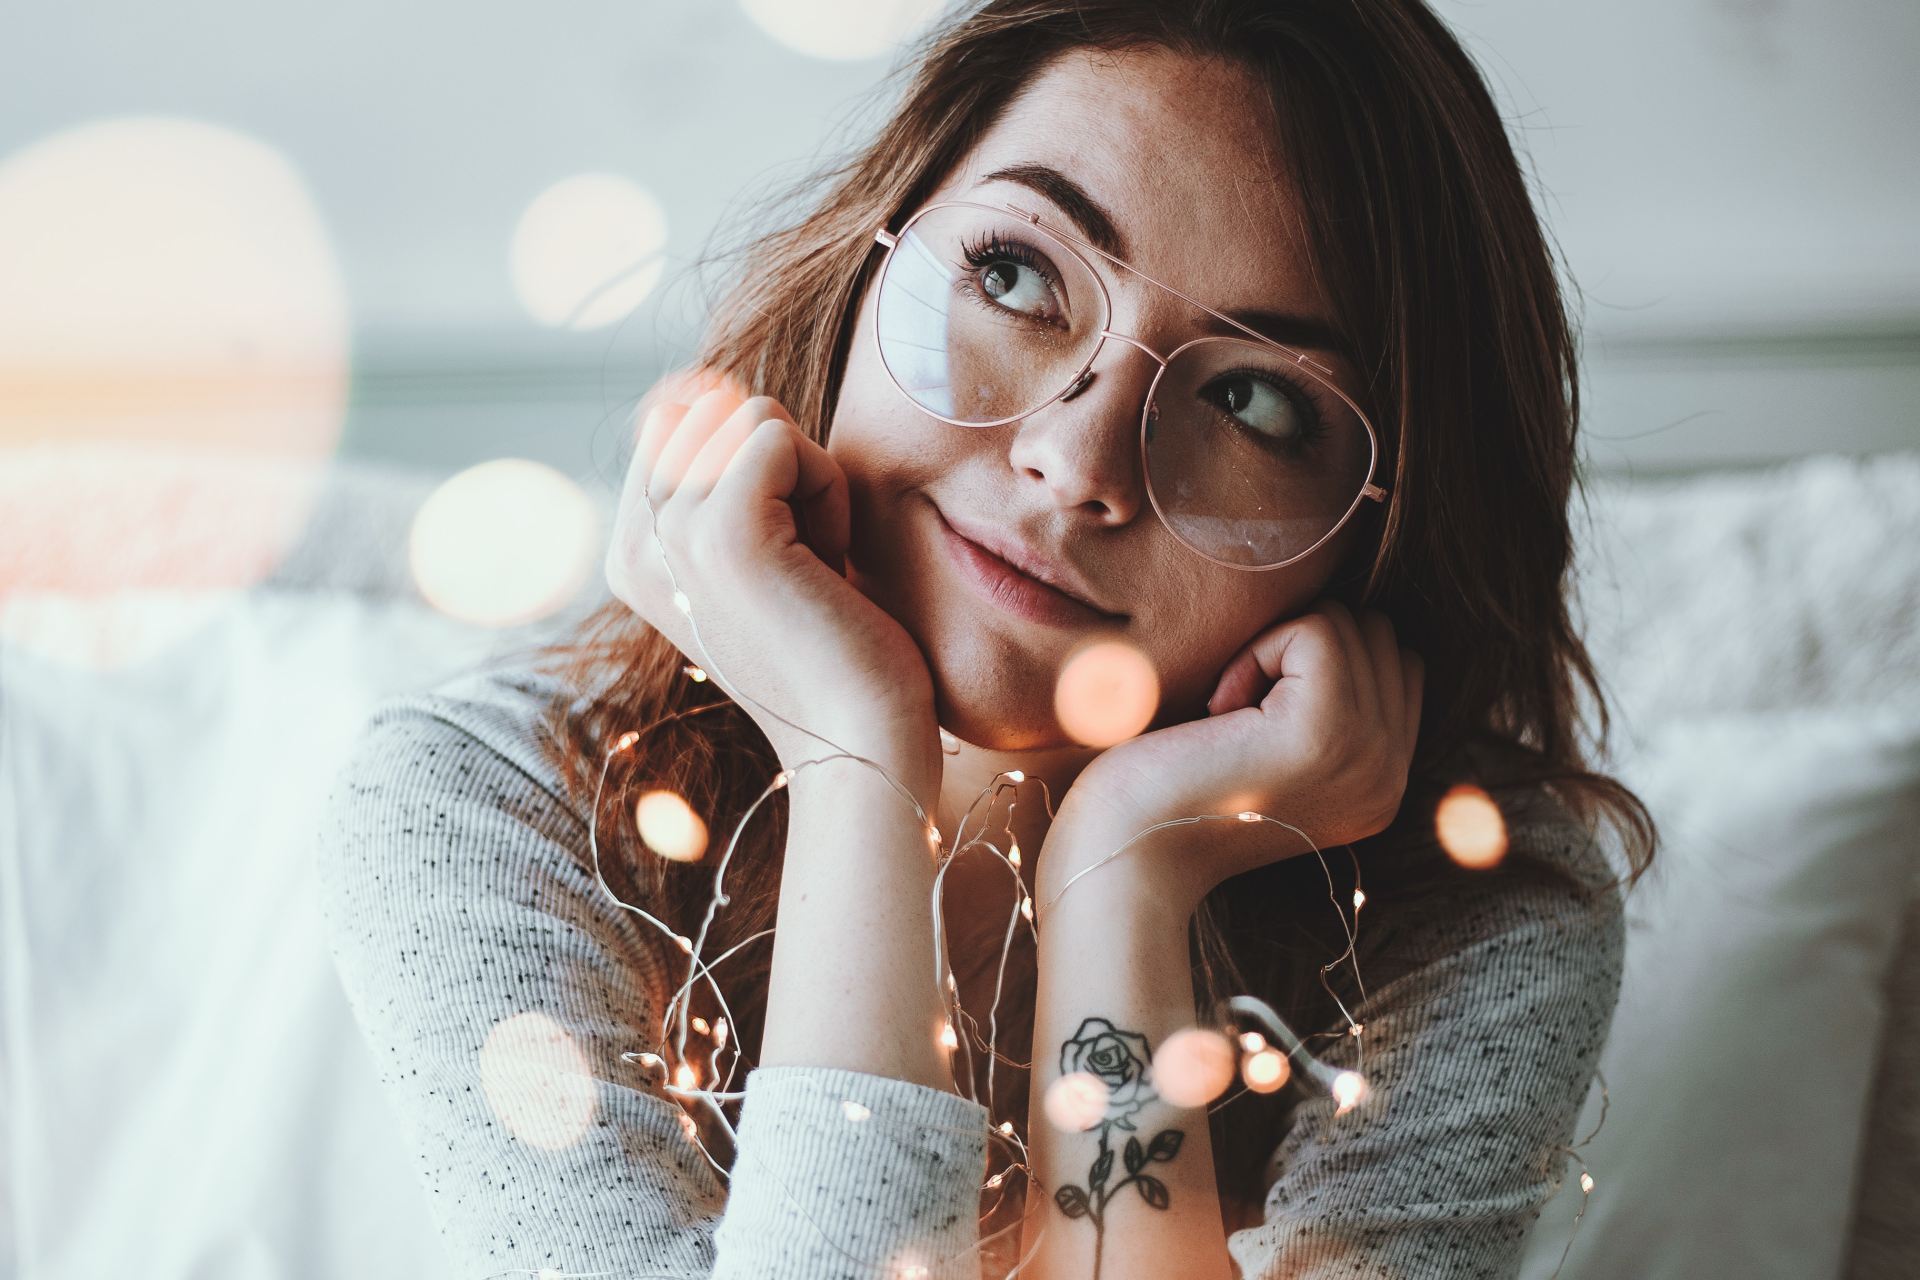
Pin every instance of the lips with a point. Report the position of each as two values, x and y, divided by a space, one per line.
1015 591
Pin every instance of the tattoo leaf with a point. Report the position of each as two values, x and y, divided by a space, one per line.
1097 1176
1153 1191
1073 1201
1136 1156
1166 1144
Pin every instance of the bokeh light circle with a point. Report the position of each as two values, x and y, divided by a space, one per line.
840 30
1076 1102
587 251
504 543
1106 693
1193 1066
1266 1070
536 1080
1469 827
670 827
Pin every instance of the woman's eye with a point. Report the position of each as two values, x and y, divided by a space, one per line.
1016 287
1262 406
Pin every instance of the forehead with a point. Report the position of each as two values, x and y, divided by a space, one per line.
1178 150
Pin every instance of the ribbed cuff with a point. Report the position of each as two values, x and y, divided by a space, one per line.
843 1173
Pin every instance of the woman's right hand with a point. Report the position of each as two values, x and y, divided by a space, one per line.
778 620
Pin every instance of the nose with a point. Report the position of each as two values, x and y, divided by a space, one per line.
1086 445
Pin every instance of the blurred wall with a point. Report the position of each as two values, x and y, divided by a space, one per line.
1731 181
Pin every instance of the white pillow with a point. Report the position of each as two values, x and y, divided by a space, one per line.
1742 1052
185 1090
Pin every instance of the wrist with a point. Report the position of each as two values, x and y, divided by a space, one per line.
1097 857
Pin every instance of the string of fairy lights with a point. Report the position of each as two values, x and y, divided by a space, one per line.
1193 1067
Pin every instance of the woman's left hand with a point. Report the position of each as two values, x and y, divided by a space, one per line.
1313 723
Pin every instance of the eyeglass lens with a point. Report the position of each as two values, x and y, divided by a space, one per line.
1251 458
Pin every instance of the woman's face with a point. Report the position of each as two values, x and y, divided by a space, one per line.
1171 150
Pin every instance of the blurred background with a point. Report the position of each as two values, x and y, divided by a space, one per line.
320 332
471 218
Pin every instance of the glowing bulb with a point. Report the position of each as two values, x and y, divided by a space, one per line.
1016 775
1252 1041
627 739
780 779
1356 1028
1247 815
1013 852
1026 908
683 1075
1470 828
719 1033
1006 1127
681 602
685 943
1266 1070
995 1180
700 1025
694 673
1076 1101
1586 1182
948 1038
854 1110
1349 1090
933 837
670 827
1193 1066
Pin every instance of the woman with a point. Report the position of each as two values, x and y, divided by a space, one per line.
1344 619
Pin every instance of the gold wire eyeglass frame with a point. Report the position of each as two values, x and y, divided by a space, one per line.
1074 245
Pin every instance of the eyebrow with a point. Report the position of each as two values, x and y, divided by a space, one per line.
1098 226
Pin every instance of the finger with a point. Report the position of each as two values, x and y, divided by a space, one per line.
1383 651
706 466
1359 662
784 477
1304 658
655 430
1239 684
702 418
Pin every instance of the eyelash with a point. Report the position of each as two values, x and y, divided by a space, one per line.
984 249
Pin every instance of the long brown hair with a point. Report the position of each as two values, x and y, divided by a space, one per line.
1420 228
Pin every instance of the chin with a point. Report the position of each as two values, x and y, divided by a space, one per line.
995 717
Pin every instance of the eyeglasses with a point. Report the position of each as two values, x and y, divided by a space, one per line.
1253 456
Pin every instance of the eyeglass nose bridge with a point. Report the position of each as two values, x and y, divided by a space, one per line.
1085 376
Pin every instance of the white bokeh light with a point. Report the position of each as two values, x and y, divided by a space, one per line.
504 543
587 251
536 1080
841 30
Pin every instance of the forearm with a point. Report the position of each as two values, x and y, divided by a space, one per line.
1114 947
852 981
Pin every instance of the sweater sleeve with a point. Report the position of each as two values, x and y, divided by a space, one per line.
1479 1051
497 987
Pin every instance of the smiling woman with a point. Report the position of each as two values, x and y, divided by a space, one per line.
1222 334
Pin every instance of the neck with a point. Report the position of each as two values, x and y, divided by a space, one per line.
974 786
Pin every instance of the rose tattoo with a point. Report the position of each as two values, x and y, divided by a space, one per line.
1121 1060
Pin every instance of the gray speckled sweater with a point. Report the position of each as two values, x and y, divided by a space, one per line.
453 904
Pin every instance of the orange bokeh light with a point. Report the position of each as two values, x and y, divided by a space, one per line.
1107 692
1470 828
